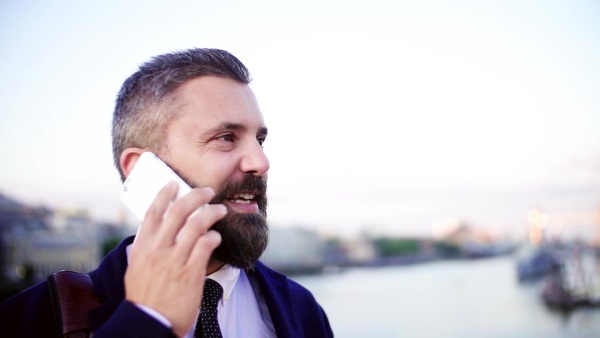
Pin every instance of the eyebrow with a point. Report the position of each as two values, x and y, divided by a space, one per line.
236 127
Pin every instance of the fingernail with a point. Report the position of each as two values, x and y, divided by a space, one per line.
213 236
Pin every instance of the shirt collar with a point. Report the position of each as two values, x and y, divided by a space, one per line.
226 276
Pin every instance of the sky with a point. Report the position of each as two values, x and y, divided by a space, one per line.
384 117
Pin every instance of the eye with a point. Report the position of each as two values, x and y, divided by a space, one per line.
226 138
261 140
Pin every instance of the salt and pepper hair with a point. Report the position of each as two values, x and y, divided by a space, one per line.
145 106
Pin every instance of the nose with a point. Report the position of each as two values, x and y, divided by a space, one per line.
254 160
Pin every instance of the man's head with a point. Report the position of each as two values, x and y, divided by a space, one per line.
195 110
144 105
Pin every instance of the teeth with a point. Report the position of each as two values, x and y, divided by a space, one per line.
241 201
243 198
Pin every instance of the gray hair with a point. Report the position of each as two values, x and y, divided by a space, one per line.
144 105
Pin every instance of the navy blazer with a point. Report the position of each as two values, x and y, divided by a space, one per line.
293 309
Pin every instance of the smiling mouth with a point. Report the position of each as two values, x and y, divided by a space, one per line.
242 198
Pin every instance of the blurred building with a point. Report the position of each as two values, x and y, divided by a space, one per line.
295 250
358 251
472 241
36 241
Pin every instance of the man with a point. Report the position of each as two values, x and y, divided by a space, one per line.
195 110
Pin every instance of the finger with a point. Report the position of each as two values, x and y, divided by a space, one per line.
203 249
180 210
196 227
154 215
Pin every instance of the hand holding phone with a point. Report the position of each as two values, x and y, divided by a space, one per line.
170 256
148 176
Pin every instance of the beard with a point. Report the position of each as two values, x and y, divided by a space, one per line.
244 236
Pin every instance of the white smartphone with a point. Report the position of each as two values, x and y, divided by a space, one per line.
148 176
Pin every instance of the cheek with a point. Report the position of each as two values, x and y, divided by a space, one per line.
213 172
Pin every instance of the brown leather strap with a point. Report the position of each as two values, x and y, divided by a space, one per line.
73 299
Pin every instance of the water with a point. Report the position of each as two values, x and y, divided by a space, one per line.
463 299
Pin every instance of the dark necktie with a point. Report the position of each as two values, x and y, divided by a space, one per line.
207 325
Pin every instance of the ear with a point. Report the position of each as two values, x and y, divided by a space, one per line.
128 159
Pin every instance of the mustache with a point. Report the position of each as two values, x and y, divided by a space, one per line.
248 184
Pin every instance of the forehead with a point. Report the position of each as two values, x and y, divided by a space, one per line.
211 100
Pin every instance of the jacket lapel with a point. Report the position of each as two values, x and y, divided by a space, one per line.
274 287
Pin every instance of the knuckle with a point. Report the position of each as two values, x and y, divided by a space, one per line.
153 212
177 209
